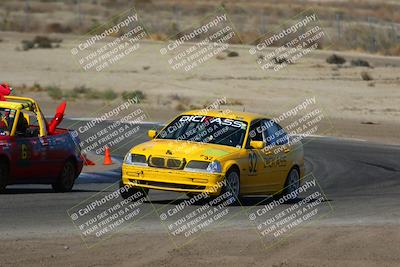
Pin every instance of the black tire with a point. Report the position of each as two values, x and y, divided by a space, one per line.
232 185
125 194
4 171
292 183
66 180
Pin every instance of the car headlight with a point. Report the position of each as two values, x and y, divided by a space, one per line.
203 166
135 159
214 167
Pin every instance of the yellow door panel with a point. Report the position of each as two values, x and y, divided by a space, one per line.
271 174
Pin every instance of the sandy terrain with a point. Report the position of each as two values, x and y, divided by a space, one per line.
356 108
310 246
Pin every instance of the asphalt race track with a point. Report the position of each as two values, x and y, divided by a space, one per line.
360 179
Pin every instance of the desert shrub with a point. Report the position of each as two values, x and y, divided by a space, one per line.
133 94
231 102
280 60
235 102
37 88
42 42
158 36
58 27
193 106
92 95
54 92
175 97
367 38
70 95
394 51
366 76
180 107
232 54
335 59
180 99
174 29
109 94
27 44
82 89
360 63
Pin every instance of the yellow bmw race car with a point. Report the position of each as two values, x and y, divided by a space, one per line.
215 152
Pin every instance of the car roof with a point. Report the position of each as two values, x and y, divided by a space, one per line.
229 114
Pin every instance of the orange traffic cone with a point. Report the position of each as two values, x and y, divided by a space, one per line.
86 161
107 157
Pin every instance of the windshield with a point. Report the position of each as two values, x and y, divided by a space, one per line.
206 129
7 117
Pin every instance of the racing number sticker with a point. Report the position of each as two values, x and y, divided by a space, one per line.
268 161
278 161
281 161
24 151
252 162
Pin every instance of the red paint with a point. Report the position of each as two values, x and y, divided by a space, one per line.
5 90
51 128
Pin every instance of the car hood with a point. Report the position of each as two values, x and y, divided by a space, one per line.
183 149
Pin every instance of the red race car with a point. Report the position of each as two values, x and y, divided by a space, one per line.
33 151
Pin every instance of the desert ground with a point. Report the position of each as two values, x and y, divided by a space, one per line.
354 107
311 246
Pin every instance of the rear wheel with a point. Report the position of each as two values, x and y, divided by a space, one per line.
292 185
66 180
3 176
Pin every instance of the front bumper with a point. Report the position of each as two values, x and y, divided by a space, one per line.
171 180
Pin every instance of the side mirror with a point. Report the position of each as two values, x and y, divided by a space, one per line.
257 144
152 133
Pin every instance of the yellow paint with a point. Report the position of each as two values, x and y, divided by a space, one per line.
261 172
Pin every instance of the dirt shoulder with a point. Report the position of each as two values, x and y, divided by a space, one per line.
310 246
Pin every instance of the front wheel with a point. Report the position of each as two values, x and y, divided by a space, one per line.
3 176
66 180
232 186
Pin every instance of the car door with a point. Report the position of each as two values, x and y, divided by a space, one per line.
258 172
58 152
277 146
29 155
53 147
